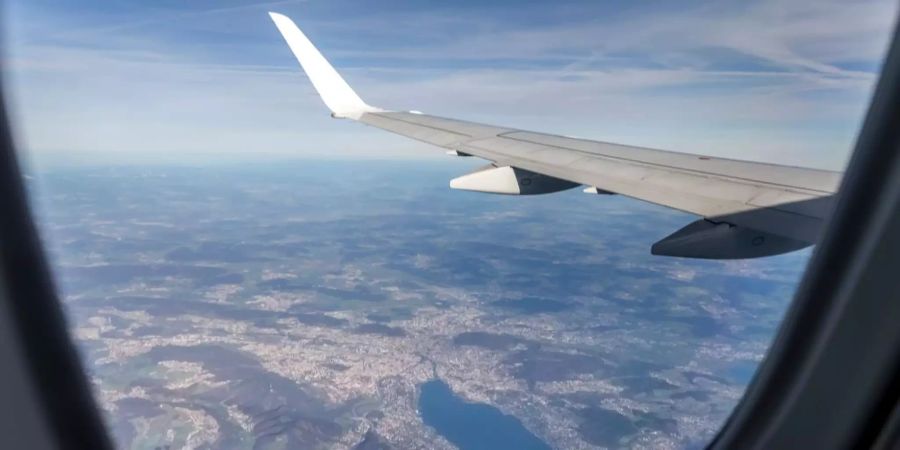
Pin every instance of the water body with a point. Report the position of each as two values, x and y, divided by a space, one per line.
473 426
742 371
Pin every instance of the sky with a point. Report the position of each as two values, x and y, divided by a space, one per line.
205 82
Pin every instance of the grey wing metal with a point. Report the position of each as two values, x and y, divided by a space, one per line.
748 209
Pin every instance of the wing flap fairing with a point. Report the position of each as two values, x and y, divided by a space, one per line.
508 180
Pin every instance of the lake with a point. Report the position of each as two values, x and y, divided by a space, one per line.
473 426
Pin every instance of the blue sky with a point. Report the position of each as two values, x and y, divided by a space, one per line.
203 81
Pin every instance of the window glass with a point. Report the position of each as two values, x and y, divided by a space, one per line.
242 271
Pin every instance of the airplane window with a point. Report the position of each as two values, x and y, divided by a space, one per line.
241 270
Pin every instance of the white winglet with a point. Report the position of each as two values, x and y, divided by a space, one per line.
335 92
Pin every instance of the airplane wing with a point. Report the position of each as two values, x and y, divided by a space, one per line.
748 209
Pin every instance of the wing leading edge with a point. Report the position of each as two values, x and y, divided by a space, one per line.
748 209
